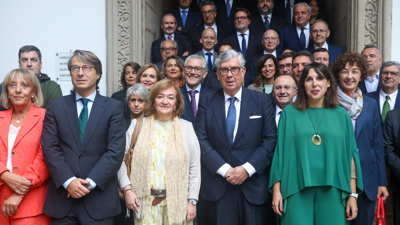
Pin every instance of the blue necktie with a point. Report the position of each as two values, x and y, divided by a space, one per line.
303 38
244 47
231 119
228 8
266 23
83 117
184 17
209 62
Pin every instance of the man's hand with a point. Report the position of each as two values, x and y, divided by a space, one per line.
237 176
76 189
10 206
185 54
17 183
382 191
191 212
179 29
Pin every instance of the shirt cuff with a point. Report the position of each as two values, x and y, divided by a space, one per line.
224 169
249 169
91 182
66 183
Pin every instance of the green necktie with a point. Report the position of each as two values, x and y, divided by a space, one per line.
83 117
386 108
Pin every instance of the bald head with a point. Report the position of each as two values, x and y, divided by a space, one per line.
208 39
284 90
168 48
270 40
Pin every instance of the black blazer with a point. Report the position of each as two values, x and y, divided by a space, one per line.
289 38
257 24
391 143
99 157
334 51
195 33
188 114
183 46
279 7
193 18
121 96
254 46
222 15
211 81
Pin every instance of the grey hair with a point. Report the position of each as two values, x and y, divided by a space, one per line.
207 2
322 21
139 90
228 55
175 43
167 14
303 3
373 46
389 63
197 56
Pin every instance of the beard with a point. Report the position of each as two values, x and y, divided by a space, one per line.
265 11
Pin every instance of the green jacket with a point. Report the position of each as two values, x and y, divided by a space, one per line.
50 89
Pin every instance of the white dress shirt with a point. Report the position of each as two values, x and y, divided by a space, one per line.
214 27
372 85
247 166
306 33
181 11
392 100
277 114
12 135
172 36
274 53
79 107
206 56
197 95
325 45
240 38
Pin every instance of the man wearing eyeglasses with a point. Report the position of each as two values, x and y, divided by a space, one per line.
30 58
285 63
319 33
266 20
185 17
237 135
167 48
283 91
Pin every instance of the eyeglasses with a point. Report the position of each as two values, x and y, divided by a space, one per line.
234 70
196 69
240 17
270 38
319 31
170 49
286 88
393 74
86 69
207 12
288 66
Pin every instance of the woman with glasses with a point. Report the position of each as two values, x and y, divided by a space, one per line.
267 70
315 171
128 78
148 75
350 68
172 69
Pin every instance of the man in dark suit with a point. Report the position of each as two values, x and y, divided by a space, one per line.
374 60
284 8
169 25
297 35
266 20
319 33
209 12
283 93
237 135
193 91
300 60
211 81
208 41
185 17
285 63
245 41
83 143
226 13
167 48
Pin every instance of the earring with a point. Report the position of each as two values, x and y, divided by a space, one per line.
33 99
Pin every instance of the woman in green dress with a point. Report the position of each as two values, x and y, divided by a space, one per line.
315 172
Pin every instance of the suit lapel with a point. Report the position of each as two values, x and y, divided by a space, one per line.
32 118
5 121
188 103
361 118
219 113
396 104
72 116
95 115
252 42
295 37
246 107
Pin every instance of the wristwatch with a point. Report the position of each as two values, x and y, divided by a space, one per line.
194 202
355 195
89 186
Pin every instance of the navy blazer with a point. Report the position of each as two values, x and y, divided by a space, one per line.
276 23
290 39
183 46
193 18
363 88
211 81
98 157
254 143
121 96
334 51
196 32
279 7
368 133
188 114
254 47
375 95
222 14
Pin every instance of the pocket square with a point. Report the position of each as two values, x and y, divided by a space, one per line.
254 117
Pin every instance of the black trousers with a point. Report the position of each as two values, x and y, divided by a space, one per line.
396 208
121 219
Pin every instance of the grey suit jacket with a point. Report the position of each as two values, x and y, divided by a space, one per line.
202 54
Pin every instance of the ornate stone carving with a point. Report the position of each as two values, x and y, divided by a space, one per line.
371 32
123 39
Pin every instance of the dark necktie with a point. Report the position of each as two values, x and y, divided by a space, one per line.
303 38
83 117
228 8
184 17
193 100
288 12
244 47
231 119
266 22
386 108
209 62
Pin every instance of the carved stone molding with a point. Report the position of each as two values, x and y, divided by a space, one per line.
371 32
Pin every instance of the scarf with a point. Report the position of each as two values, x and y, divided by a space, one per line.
176 169
352 102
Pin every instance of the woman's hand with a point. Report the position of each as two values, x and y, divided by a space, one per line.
191 212
10 206
131 200
277 203
351 209
17 183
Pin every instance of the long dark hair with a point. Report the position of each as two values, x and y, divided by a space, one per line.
330 99
260 64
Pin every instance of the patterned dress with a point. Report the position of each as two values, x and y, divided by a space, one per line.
157 215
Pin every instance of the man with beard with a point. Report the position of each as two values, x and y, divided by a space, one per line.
285 63
169 25
185 17
284 91
208 40
265 21
300 60
248 43
374 61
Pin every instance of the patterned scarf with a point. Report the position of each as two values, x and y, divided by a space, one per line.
176 169
352 102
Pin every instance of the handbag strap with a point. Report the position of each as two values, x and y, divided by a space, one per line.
129 155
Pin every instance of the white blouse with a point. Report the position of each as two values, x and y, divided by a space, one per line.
12 135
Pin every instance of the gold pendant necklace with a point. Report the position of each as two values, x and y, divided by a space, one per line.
316 139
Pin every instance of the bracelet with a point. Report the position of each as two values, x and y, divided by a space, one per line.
127 190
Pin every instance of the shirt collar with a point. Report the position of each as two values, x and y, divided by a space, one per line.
214 26
172 35
205 52
325 45
247 33
269 17
383 94
197 89
376 77
273 53
238 95
187 10
277 110
90 97
306 26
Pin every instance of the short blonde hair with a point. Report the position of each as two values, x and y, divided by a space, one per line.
29 78
156 89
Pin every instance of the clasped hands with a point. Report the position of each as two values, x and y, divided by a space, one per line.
237 175
76 188
20 185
